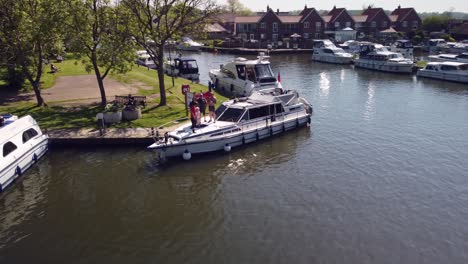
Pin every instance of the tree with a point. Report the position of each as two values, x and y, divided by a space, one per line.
236 7
157 21
101 33
29 30
435 23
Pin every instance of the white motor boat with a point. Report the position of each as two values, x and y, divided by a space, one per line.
241 77
182 67
405 47
326 51
447 71
435 45
239 121
352 46
189 45
22 144
144 59
449 57
377 57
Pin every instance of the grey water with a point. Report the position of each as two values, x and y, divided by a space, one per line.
380 177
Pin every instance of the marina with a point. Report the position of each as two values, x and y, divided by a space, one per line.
380 173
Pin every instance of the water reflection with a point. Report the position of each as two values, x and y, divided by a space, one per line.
370 103
324 84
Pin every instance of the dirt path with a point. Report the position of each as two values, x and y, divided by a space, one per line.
85 89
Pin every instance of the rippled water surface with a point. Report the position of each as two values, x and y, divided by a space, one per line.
380 177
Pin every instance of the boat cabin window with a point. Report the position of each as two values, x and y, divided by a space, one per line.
463 67
463 56
328 51
264 73
259 112
228 73
276 109
250 74
231 115
448 68
8 148
241 71
28 134
189 65
430 67
220 110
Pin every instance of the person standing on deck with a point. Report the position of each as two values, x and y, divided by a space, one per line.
193 115
202 104
211 107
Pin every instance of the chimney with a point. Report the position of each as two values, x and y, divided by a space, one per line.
305 7
369 7
334 7
268 8
399 6
277 11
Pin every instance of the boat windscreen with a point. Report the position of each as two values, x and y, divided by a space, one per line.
263 71
231 115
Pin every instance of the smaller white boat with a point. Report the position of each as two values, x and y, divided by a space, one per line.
22 144
377 57
144 59
435 45
182 67
404 47
352 46
326 51
449 57
239 121
189 45
239 78
447 71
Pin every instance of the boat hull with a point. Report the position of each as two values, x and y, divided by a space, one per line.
445 76
243 137
24 160
384 66
331 59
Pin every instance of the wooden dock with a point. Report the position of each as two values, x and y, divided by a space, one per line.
112 136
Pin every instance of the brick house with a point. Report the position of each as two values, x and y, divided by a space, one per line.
311 23
337 19
377 20
405 19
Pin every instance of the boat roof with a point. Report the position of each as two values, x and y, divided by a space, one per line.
11 129
244 61
451 63
185 59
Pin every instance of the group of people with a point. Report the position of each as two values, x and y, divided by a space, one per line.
198 108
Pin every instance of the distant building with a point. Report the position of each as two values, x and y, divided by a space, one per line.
405 19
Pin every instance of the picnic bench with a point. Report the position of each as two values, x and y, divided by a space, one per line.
128 99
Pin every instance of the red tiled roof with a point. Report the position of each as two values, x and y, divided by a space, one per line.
326 18
401 12
371 12
226 17
290 19
360 19
247 19
393 18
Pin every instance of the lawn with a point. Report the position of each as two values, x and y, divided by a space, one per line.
59 115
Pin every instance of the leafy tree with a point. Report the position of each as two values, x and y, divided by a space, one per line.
101 34
435 23
236 7
30 29
157 21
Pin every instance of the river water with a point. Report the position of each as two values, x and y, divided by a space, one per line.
380 177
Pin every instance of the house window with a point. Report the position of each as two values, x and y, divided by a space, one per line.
262 36
337 24
373 24
404 24
275 27
348 24
306 35
384 24
415 24
8 148
252 36
275 37
306 24
318 26
263 25
358 25
317 35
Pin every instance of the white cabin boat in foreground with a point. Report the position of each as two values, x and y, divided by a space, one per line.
22 144
326 51
241 77
239 121
447 71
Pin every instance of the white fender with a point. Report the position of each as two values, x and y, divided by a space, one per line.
187 155
227 147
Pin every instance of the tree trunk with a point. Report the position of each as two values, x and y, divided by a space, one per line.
162 88
99 80
37 91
